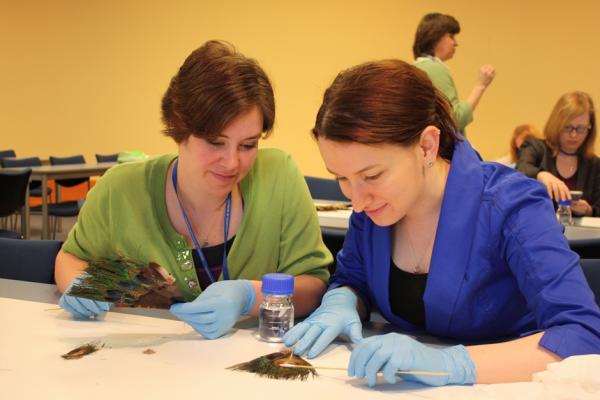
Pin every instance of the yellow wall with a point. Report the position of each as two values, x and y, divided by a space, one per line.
88 76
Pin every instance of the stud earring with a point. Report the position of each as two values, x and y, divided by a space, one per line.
429 164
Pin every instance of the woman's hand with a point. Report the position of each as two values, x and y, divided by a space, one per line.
336 315
581 208
487 73
217 309
393 352
557 190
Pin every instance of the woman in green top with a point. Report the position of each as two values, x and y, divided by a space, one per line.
435 43
218 215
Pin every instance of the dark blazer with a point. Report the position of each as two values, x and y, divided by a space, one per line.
535 156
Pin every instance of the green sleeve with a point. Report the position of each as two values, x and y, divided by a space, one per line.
90 237
442 80
302 250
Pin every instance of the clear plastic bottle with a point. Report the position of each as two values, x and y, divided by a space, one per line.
276 312
563 213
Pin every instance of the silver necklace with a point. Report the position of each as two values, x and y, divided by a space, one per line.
419 267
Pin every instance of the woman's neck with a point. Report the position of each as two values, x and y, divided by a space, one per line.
195 196
430 199
566 153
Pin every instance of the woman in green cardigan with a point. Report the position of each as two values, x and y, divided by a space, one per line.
219 214
435 43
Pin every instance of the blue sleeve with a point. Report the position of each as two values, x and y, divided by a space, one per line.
547 271
350 266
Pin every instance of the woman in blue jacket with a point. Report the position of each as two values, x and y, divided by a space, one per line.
440 242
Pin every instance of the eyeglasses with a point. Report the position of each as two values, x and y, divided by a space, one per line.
580 129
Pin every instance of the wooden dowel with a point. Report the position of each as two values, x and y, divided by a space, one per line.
431 373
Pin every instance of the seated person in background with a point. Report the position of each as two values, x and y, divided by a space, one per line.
565 159
440 241
175 210
520 134
435 43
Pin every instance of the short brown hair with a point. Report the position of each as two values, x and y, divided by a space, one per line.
569 106
388 101
430 30
213 86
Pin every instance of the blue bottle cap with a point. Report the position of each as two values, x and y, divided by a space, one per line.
275 283
564 202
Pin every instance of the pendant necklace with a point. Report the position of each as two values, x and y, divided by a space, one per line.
418 269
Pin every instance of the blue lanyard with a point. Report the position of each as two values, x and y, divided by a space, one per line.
193 236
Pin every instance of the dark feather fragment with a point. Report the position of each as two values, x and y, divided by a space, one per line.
81 351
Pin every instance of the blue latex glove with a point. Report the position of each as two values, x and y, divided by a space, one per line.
217 309
392 352
80 307
336 315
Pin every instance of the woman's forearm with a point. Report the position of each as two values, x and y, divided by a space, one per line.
513 361
66 268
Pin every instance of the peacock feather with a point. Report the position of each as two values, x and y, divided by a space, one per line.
127 283
270 366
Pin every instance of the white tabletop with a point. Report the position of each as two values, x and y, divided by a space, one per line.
184 365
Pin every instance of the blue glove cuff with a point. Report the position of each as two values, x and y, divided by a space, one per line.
461 366
250 295
345 292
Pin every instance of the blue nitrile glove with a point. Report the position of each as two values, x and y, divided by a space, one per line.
392 352
336 315
80 307
217 309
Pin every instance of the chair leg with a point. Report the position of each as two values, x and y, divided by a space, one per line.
55 226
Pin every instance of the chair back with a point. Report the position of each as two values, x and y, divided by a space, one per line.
21 162
28 260
78 159
13 186
591 270
6 153
107 157
324 189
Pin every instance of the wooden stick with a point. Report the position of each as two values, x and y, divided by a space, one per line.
53 309
344 369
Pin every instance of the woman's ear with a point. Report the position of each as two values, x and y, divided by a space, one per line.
429 143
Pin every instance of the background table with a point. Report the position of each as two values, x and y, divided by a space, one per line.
46 173
184 365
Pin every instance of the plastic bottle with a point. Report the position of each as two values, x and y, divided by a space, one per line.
276 312
563 213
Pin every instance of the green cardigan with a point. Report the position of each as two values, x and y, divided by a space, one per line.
125 214
440 76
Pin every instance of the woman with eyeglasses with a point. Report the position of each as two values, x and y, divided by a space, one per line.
439 242
565 161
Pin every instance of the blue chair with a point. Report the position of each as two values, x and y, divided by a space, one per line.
35 187
324 189
591 270
13 186
107 157
6 153
328 189
28 260
66 208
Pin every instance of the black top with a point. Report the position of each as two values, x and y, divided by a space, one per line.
214 258
406 295
536 156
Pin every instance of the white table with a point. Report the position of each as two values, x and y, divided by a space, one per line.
586 231
34 335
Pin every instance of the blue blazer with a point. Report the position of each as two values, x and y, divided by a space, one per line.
500 266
